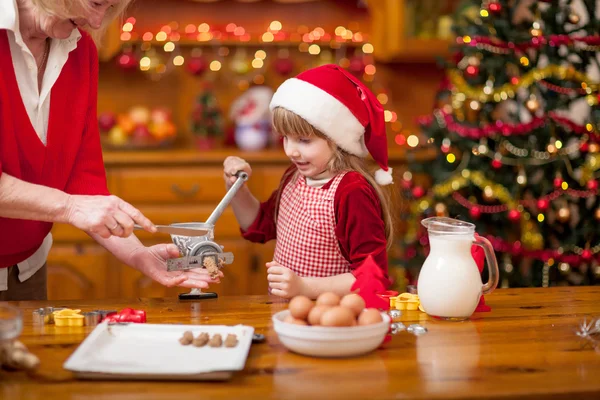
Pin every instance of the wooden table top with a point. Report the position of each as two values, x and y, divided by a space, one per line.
525 348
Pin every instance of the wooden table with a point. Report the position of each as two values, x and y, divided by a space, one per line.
525 348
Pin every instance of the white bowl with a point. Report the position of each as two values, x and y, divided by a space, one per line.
325 341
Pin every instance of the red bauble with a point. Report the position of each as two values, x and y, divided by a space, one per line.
283 66
106 121
496 164
357 65
543 204
514 215
127 60
584 147
418 192
592 185
475 212
494 7
197 65
472 71
586 254
558 182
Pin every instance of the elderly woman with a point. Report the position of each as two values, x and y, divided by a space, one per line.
51 167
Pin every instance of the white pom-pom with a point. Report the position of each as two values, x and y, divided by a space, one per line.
384 177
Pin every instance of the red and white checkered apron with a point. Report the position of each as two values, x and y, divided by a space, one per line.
306 240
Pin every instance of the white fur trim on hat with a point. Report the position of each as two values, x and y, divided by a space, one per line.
324 112
384 177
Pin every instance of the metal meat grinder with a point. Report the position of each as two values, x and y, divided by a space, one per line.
203 251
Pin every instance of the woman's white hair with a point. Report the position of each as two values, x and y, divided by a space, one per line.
64 9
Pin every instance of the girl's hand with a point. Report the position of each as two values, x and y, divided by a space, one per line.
233 165
283 282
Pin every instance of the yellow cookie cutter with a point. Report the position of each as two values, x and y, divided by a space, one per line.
68 317
407 301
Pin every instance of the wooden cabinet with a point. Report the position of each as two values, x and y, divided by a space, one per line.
168 187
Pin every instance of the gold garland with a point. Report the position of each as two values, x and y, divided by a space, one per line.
498 94
457 182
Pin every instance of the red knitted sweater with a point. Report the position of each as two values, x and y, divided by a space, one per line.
72 159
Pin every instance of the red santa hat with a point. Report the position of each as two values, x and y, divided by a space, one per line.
343 108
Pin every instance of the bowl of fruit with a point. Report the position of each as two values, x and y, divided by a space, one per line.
139 128
331 326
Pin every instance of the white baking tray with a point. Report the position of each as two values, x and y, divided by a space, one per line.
153 351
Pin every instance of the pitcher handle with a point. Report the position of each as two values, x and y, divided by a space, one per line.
491 262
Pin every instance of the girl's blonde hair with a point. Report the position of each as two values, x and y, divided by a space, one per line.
287 123
63 9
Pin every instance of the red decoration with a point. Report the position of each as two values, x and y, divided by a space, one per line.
558 182
514 215
496 163
543 204
127 60
106 121
494 7
127 315
592 184
584 147
479 256
197 65
418 192
586 254
283 66
370 282
472 71
357 65
475 212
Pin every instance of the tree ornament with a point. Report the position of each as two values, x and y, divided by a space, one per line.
574 18
532 104
592 184
563 214
586 254
472 71
488 194
127 60
418 192
543 204
584 147
594 147
441 210
564 268
558 182
514 215
283 66
357 65
475 212
494 7
496 163
196 64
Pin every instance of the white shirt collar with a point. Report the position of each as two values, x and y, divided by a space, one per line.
9 20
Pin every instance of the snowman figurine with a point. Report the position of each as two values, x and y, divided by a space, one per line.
252 118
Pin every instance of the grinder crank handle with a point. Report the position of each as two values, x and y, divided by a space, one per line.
241 178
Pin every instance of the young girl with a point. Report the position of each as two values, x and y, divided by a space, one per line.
329 213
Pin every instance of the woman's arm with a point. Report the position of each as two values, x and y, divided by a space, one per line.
24 200
101 215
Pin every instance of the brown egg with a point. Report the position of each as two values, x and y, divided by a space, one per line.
337 316
353 302
369 316
314 316
291 320
328 299
300 306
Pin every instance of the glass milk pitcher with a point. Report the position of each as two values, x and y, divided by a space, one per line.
449 283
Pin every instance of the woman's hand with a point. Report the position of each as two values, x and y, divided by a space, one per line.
152 262
283 281
231 166
105 215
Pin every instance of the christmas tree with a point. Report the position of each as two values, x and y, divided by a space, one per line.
516 130
206 119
